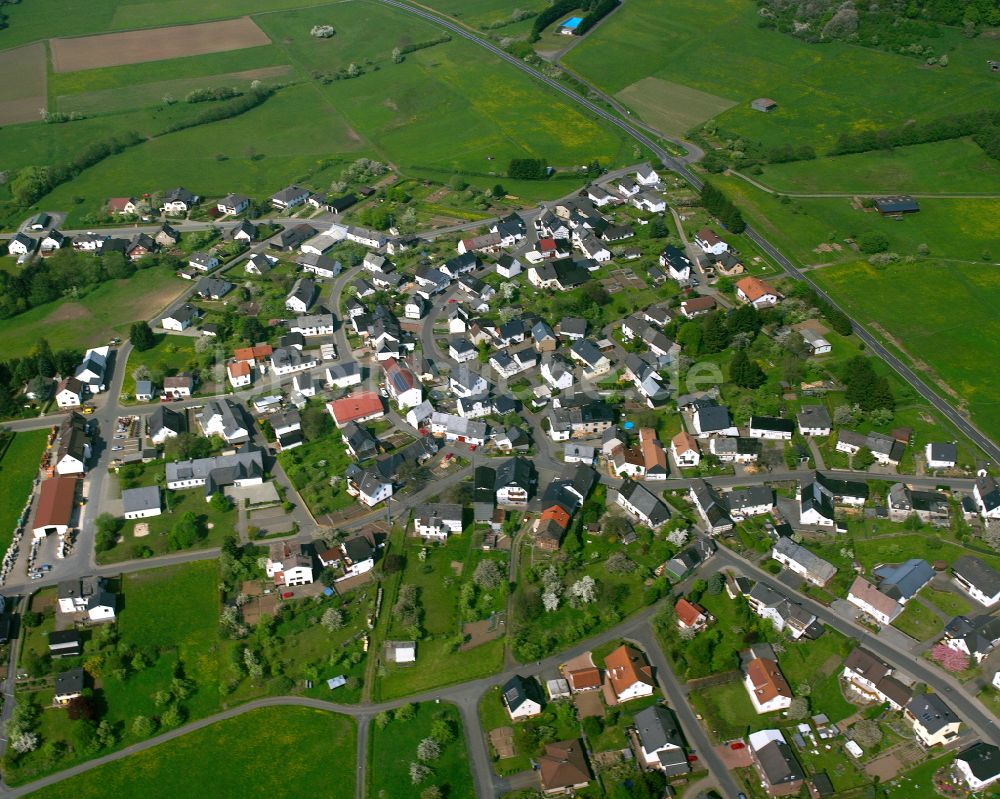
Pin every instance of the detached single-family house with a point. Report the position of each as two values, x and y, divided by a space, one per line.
775 761
691 616
872 602
685 450
710 242
941 455
986 493
713 420
976 636
436 522
233 204
933 721
677 264
70 393
288 565
522 698
759 294
771 428
766 686
362 406
22 244
629 674
661 742
979 765
803 562
177 202
977 579
873 680
224 418
289 197
563 768
302 295
814 420
123 206
642 504
87 595
368 486
202 261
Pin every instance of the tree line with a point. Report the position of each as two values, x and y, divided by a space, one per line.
722 208
35 371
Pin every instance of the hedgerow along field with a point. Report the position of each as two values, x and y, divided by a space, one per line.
260 749
715 46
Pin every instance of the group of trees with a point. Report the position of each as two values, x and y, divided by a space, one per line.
983 126
719 330
67 273
722 208
528 169
865 388
34 371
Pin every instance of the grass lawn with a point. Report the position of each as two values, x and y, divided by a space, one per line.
926 330
728 712
169 356
718 48
439 579
990 697
918 622
818 663
915 782
950 602
103 313
18 468
250 745
945 167
157 542
493 715
310 468
394 747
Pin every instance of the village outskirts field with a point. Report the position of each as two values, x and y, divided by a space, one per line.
696 66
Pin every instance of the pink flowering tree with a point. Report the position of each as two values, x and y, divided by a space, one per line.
950 659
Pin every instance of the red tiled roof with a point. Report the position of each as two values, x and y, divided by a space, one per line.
768 682
688 613
754 288
55 501
355 406
627 666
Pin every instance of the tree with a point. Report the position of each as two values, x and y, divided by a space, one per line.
382 719
619 563
678 537
143 726
488 575
108 528
443 731
23 742
950 659
867 733
745 372
716 584
428 749
418 772
220 502
397 55
173 716
799 708
404 712
584 590
550 601
863 458
185 532
332 619
141 336
872 242
431 792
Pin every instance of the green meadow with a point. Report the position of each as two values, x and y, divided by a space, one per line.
957 166
716 47
260 749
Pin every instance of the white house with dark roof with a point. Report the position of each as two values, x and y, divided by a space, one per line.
803 562
814 420
435 522
521 698
986 492
979 765
977 579
941 455
713 420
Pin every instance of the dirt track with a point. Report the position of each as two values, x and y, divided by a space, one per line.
156 44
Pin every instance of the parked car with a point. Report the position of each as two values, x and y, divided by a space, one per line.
117 448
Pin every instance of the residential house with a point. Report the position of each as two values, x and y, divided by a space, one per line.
595 363
887 450
928 506
709 242
141 503
697 306
872 602
180 319
70 393
508 266
902 581
979 765
977 579
853 493
771 428
933 721
69 685
224 418
986 493
735 450
437 521
685 450
661 742
123 206
691 615
177 202
713 420
711 507
563 768
344 375
54 240
873 680
628 674
642 504
941 455
289 197
368 486
212 288
814 420
166 236
245 232
313 325
233 204
515 481
757 293
288 564
803 562
779 770
362 406
165 423
87 595
752 501
677 264
144 390
521 698
572 328
784 614
975 637
302 295
73 450
815 343
466 383
287 429
402 385
319 265
766 686
92 369
202 261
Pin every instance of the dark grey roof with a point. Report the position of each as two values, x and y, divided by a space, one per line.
945 451
978 632
518 690
713 417
515 471
657 728
979 574
900 204
982 759
69 682
779 764
645 501
989 490
842 488
931 712
140 499
772 423
749 497
905 579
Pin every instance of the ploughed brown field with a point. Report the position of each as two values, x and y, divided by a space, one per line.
157 44
22 85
